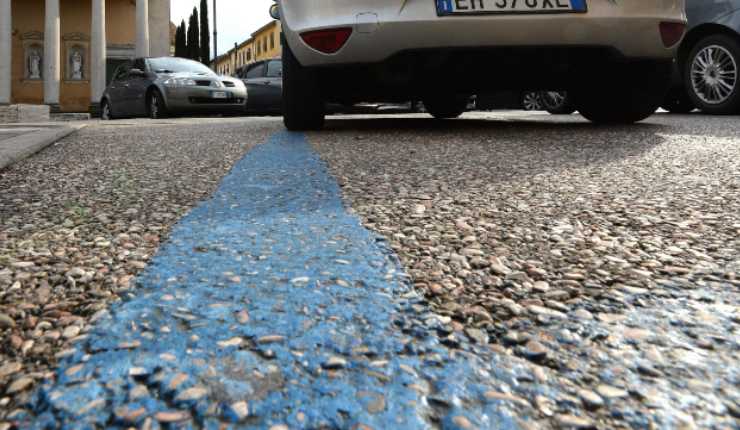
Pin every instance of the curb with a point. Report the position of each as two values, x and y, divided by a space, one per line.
19 148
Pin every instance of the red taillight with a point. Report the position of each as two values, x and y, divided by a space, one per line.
671 32
327 41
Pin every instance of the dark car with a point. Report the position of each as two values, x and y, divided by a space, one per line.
554 102
264 82
155 87
708 61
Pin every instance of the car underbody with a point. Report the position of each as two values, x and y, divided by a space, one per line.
414 74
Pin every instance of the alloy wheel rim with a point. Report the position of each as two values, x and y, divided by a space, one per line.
106 111
532 102
154 108
553 99
714 75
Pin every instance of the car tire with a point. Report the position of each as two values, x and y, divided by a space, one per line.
303 104
678 102
106 113
155 105
557 102
531 101
720 53
622 94
446 106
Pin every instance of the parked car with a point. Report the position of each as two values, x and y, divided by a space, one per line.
156 87
708 61
444 51
555 102
264 82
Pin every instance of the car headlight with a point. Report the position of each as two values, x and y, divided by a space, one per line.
179 82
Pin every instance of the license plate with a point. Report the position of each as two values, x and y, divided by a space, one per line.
218 95
479 7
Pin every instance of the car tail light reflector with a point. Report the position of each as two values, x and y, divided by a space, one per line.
671 32
327 41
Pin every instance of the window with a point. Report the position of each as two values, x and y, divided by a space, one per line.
272 40
264 44
275 69
140 64
257 71
122 71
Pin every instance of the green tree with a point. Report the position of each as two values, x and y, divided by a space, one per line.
194 37
181 41
205 34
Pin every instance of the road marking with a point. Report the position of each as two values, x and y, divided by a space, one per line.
271 305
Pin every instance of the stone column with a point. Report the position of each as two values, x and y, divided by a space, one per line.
52 44
142 28
6 46
98 54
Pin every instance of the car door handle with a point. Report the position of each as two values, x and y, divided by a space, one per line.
268 83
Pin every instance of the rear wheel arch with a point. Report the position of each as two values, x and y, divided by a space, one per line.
696 34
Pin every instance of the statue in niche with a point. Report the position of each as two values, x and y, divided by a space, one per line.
34 64
76 65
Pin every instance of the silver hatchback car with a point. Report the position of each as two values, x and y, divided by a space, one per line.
156 87
613 56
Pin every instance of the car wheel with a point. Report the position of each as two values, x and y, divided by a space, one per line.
678 102
446 106
156 106
531 101
303 105
557 102
622 94
105 110
711 75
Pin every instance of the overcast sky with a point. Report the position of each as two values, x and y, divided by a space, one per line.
237 19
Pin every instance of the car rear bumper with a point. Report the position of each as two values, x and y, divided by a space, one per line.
383 28
192 99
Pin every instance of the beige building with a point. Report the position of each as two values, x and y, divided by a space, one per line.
263 44
61 53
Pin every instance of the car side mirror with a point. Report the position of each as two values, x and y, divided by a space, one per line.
275 11
136 73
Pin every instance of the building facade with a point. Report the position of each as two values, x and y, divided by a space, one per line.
62 52
262 45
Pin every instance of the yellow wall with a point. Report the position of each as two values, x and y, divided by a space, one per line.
28 16
264 44
74 96
267 42
120 21
243 54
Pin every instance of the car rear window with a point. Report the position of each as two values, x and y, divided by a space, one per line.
257 71
275 69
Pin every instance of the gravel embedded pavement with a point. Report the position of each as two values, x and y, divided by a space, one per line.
594 271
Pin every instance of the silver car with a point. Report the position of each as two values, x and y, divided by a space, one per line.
613 56
157 87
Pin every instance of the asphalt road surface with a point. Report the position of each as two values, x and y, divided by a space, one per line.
504 270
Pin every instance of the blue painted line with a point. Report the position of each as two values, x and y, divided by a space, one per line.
271 293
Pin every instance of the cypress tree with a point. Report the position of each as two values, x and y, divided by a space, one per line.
193 37
181 43
205 34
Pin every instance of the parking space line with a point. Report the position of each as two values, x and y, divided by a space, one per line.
271 304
